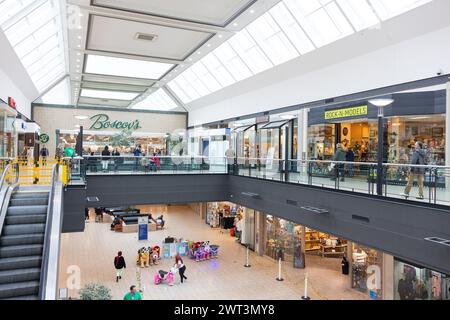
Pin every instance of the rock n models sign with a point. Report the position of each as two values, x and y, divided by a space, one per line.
102 122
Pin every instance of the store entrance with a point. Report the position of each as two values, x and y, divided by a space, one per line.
359 137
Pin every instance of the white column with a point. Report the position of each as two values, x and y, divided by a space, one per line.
447 133
447 127
388 277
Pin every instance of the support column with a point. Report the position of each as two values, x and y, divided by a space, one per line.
387 280
303 134
260 236
447 131
350 264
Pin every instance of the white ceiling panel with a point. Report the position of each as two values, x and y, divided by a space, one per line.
211 12
103 102
120 36
118 80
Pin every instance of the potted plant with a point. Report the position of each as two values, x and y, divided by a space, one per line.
95 291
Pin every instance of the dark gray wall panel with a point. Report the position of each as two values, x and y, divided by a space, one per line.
395 227
74 205
156 189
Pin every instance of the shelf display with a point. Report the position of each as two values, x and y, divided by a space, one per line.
417 283
364 258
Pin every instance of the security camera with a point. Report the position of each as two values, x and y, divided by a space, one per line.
440 72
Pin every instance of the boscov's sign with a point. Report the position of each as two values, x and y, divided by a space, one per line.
102 122
347 113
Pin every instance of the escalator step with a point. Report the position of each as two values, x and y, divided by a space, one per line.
29 195
21 250
28 202
27 210
24 239
20 275
26 219
17 290
20 262
23 229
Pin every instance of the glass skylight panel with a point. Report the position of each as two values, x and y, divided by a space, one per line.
196 83
105 94
190 91
272 40
291 28
223 76
10 8
250 52
387 9
122 67
205 77
34 29
173 85
232 62
60 94
159 100
360 13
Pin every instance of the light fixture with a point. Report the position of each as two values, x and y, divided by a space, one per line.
79 117
252 11
123 67
208 45
220 36
78 54
190 59
105 94
381 104
235 24
79 37
199 52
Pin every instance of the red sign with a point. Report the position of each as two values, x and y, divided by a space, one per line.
12 103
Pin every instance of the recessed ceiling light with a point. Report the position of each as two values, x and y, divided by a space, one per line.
79 37
79 46
199 52
220 36
208 45
123 67
252 11
105 94
235 24
190 59
81 117
78 54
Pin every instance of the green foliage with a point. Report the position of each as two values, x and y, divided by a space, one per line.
122 139
94 291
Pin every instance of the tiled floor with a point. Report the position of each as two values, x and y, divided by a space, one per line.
224 278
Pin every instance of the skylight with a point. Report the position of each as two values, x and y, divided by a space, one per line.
105 94
288 30
159 101
34 29
122 67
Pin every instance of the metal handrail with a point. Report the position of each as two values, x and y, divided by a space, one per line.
6 193
47 234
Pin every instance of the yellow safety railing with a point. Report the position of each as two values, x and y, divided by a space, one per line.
36 172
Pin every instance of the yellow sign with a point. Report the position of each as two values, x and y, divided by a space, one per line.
347 113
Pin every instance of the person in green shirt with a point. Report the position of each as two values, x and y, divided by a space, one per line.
133 294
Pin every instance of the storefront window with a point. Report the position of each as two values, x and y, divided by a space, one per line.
416 283
282 236
321 142
367 266
403 132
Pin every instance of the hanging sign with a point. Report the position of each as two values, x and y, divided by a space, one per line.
347 113
102 122
44 138
143 228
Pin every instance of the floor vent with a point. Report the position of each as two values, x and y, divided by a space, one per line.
360 218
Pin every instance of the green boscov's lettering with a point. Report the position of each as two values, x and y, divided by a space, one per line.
102 121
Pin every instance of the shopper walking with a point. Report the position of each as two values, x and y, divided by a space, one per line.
137 154
181 267
119 264
134 294
418 159
339 156
106 157
350 157
117 159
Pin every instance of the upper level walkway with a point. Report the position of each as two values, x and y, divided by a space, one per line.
428 184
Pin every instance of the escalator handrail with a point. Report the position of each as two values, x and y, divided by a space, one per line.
5 194
48 238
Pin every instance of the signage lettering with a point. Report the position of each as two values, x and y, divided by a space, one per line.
102 121
347 113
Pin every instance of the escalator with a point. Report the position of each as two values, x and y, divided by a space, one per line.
29 232
21 245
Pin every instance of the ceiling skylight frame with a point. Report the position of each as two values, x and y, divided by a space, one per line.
108 94
101 65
